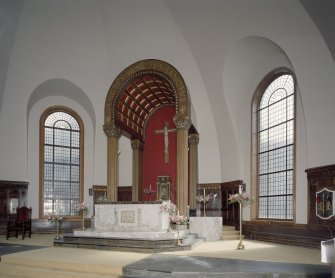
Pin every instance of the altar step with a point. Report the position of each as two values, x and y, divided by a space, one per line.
229 233
187 242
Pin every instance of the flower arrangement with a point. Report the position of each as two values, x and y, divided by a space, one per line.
204 198
179 219
169 208
81 207
55 218
242 198
173 212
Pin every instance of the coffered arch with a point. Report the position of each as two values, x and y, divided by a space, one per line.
139 91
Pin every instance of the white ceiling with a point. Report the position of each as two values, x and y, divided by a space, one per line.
322 13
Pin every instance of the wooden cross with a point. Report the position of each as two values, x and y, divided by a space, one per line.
166 131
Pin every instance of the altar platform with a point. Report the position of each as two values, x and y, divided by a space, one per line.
131 226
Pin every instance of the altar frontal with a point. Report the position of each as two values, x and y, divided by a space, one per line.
132 220
135 216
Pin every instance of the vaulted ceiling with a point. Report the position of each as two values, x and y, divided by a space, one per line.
141 97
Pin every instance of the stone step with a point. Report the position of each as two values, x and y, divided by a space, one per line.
187 242
229 233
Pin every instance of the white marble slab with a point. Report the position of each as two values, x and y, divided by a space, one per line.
132 235
208 227
130 217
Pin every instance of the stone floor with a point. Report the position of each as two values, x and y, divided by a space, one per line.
210 259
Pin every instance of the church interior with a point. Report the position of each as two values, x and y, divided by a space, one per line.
121 107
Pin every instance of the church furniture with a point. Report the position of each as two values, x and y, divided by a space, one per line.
19 223
11 225
11 191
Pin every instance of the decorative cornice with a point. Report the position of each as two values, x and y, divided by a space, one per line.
112 130
193 139
137 145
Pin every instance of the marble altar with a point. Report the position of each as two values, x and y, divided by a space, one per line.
209 228
135 220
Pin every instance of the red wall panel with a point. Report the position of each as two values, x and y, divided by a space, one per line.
153 154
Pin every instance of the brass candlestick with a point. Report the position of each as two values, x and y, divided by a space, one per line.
178 239
57 231
240 245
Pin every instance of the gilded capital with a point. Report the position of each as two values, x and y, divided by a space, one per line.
137 145
182 122
193 139
112 130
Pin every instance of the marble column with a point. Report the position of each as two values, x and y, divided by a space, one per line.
137 147
193 140
182 124
113 133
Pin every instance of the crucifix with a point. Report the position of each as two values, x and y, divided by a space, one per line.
166 131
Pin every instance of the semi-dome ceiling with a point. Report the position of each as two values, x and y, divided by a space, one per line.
141 97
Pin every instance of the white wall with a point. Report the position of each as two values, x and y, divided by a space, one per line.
222 50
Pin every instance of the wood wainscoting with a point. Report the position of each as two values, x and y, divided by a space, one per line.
286 233
309 235
220 205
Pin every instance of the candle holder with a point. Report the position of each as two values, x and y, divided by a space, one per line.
204 199
178 239
240 245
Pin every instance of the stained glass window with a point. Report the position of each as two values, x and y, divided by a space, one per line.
61 164
276 149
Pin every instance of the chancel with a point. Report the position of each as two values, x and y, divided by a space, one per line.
133 124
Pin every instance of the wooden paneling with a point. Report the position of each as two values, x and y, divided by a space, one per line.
309 235
229 212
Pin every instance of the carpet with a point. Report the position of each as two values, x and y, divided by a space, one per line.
9 248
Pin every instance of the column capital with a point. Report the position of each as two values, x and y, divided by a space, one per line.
112 130
137 145
193 139
182 122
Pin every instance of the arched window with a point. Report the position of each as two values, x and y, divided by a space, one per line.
275 145
61 161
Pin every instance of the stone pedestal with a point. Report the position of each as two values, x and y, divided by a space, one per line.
209 228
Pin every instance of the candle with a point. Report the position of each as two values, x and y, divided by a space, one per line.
240 189
150 187
204 192
178 213
188 211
